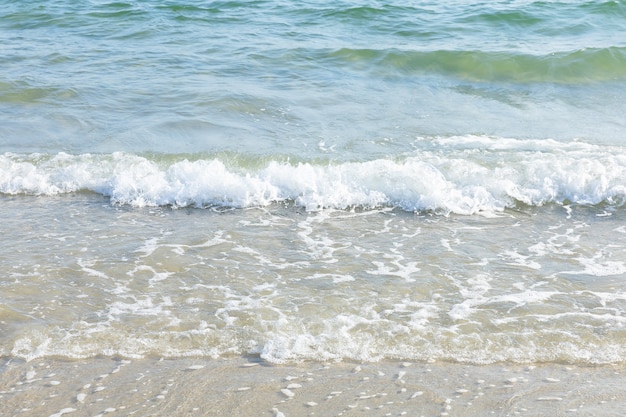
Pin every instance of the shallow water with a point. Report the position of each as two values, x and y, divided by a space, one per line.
313 181
531 285
266 77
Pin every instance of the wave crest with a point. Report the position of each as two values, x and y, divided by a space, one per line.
583 65
458 175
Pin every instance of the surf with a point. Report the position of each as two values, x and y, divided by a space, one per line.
462 175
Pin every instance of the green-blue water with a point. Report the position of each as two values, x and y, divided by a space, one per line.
270 77
313 180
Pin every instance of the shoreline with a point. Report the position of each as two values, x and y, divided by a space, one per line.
251 387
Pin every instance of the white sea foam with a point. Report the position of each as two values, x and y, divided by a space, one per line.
139 307
336 278
597 266
467 307
463 175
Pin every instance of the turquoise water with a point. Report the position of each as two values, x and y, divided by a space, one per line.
268 78
313 180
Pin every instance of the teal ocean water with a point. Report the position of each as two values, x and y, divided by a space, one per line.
314 180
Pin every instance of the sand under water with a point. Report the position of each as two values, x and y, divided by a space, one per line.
251 387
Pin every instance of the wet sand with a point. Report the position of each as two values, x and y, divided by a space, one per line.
251 387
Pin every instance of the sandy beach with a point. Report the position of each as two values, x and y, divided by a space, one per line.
251 387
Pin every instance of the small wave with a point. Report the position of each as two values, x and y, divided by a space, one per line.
28 93
584 65
465 175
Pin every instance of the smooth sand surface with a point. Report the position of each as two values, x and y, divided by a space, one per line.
251 387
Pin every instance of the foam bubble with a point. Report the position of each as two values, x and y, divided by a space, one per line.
599 267
336 278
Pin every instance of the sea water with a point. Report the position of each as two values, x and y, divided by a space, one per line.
314 180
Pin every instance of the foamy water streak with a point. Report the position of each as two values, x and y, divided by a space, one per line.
462 175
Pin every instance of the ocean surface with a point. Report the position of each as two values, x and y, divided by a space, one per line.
314 180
